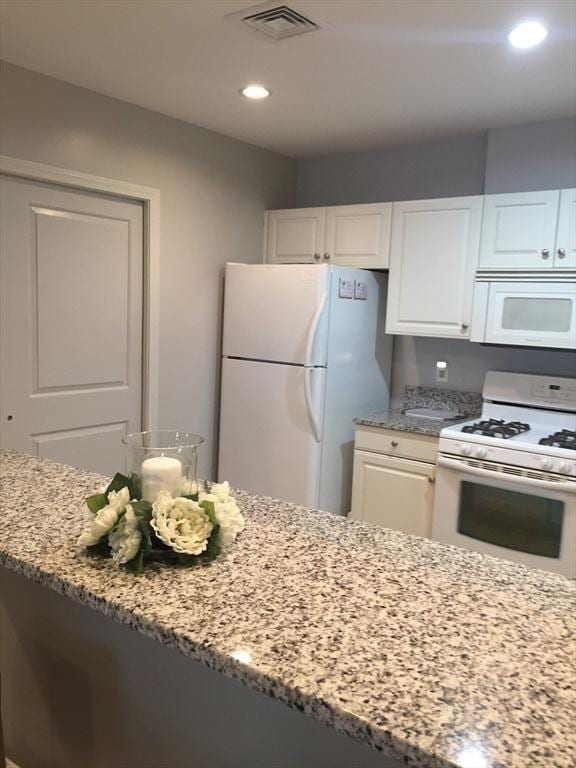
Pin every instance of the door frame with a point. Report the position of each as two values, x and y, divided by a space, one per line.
150 199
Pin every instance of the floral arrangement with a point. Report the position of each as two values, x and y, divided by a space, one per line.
183 530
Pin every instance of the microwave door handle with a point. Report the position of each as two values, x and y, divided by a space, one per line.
314 421
530 482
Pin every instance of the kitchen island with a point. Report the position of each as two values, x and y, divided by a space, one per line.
420 654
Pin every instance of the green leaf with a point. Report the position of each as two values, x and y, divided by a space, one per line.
118 482
191 496
131 481
135 486
142 509
96 502
136 565
212 550
187 560
100 548
208 507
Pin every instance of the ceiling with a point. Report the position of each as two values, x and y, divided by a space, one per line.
378 72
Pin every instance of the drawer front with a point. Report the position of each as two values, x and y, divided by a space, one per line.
392 443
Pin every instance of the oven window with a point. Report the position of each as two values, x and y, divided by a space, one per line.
524 313
509 519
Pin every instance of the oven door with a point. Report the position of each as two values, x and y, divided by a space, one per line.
531 520
539 314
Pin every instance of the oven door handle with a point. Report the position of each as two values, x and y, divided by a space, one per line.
530 482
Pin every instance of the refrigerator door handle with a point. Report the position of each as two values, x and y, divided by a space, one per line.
314 421
314 328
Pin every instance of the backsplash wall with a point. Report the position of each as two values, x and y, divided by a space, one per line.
414 362
531 156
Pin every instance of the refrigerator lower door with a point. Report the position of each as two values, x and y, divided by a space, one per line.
276 312
267 440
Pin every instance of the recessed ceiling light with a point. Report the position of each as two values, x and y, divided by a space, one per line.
255 92
527 35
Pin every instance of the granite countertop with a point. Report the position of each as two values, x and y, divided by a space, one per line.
435 655
467 403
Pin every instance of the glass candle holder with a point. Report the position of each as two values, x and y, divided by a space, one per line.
165 460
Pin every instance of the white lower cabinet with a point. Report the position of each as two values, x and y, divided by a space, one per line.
392 490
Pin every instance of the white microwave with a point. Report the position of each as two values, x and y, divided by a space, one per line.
530 313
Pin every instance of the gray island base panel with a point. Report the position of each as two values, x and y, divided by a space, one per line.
435 656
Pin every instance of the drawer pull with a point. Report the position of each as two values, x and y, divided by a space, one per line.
394 443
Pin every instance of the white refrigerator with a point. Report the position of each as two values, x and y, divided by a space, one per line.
304 352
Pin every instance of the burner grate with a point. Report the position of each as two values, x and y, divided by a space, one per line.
566 438
497 428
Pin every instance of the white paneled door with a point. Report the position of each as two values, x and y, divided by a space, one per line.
71 271
519 230
433 258
565 256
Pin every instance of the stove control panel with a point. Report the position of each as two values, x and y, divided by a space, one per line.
471 452
556 391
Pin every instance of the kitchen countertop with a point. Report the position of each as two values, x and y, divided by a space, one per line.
467 403
397 421
435 655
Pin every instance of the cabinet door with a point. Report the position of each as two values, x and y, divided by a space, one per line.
519 230
394 493
358 235
295 236
565 256
433 258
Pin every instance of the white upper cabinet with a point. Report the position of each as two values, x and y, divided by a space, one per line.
345 235
565 254
295 236
519 230
358 235
433 257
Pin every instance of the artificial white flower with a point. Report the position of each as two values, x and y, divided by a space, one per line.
181 524
105 519
126 540
119 499
221 490
227 512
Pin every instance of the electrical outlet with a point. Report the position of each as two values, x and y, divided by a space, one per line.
442 371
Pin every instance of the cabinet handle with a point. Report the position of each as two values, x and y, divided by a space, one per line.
561 253
431 480
9 417
326 257
464 326
317 256
545 253
394 443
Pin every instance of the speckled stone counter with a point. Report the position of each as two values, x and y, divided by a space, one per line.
437 656
467 403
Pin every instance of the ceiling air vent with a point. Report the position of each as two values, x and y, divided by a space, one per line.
280 22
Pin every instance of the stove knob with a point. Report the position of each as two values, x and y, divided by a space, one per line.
547 464
465 450
565 467
481 453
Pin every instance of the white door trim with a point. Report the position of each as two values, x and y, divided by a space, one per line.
150 197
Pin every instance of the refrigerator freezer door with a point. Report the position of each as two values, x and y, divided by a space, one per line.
267 442
273 312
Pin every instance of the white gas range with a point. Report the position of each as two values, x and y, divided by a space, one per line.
506 482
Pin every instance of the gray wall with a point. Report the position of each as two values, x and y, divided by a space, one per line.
524 157
214 191
411 172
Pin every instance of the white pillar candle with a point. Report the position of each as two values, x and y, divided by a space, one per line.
160 473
